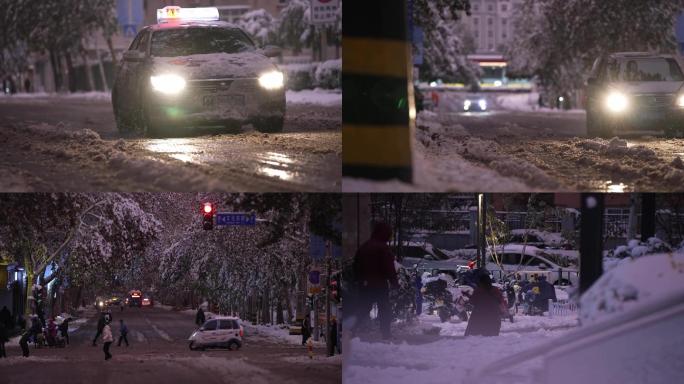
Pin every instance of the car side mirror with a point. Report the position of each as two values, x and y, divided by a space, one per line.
134 56
543 266
272 51
201 329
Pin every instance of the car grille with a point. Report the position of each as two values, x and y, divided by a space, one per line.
654 100
224 85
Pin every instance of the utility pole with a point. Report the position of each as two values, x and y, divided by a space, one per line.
481 230
591 239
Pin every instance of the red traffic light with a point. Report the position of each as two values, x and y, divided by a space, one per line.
208 208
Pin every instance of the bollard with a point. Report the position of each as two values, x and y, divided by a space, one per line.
378 109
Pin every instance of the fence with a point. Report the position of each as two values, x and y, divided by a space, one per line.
562 308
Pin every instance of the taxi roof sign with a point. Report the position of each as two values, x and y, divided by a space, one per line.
173 13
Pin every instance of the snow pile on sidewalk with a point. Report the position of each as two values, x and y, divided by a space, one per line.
445 361
522 323
632 283
324 97
275 332
91 96
528 102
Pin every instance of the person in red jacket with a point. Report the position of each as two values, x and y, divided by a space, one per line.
375 273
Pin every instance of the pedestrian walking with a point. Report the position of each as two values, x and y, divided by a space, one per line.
101 322
332 333
107 338
4 337
123 333
306 329
487 300
199 318
6 317
64 330
375 273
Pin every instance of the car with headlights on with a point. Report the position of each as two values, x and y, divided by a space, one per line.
192 70
218 332
635 91
475 104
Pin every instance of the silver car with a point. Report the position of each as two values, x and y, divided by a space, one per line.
631 91
184 74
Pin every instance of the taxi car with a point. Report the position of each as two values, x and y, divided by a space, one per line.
218 332
192 70
633 91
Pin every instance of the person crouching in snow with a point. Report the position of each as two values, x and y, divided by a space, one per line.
485 319
107 338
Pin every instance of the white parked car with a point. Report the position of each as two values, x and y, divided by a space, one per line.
527 260
218 332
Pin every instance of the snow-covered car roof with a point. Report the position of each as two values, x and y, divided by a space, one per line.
224 318
188 24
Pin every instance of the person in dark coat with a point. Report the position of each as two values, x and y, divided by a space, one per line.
546 292
123 333
64 330
375 273
4 337
333 336
485 319
199 317
306 329
100 326
6 317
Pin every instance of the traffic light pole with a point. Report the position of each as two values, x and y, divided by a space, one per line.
591 239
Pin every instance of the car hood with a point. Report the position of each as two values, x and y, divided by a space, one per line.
215 65
650 87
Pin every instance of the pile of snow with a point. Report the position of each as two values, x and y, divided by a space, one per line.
615 147
92 96
324 97
636 248
447 360
632 283
522 323
280 332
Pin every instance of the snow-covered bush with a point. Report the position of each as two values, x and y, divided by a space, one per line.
635 248
299 76
329 74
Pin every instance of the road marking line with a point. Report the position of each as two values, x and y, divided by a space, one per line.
160 332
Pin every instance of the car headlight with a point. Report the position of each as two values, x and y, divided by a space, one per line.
272 80
617 102
466 105
168 84
680 101
483 104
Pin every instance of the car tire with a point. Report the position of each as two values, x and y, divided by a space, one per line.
233 344
147 128
192 346
270 124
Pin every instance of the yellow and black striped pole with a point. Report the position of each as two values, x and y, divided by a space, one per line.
378 111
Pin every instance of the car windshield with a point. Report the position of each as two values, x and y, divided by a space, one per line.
196 41
644 69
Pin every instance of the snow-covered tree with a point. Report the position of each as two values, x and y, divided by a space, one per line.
293 27
260 25
558 40
444 50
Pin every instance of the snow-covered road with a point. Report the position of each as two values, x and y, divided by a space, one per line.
506 150
159 353
68 143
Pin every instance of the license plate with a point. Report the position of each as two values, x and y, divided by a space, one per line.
233 100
